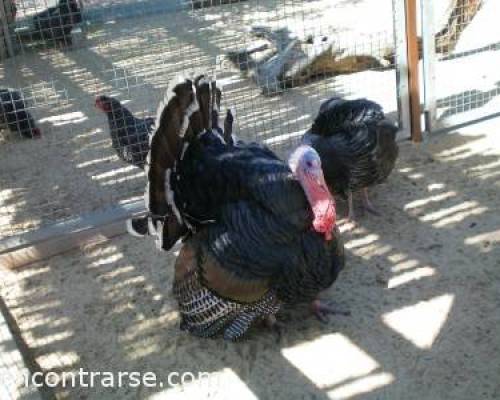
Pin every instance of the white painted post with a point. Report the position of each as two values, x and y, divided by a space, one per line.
401 65
429 62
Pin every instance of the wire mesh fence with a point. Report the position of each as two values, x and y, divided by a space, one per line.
466 83
277 60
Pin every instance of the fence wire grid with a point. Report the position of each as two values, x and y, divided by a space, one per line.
278 60
465 81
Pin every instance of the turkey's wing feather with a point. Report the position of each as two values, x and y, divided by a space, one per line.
339 116
361 159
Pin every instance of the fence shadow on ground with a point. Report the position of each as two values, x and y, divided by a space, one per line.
420 283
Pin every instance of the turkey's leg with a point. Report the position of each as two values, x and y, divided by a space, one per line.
350 214
368 204
321 310
273 324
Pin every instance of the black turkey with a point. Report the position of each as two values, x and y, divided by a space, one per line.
14 114
356 144
55 24
258 233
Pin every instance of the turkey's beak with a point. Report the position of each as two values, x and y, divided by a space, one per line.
319 179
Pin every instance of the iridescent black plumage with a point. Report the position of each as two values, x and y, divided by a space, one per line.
56 23
356 143
14 114
250 245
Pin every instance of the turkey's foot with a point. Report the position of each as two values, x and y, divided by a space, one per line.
322 309
368 205
272 323
351 216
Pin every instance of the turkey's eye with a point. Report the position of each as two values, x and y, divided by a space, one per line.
309 164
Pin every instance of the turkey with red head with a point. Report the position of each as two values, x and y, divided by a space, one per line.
258 233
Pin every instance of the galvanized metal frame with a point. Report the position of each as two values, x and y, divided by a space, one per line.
429 58
6 32
24 249
401 46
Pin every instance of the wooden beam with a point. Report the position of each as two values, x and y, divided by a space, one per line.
25 249
413 71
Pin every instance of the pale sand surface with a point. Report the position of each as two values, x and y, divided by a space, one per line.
422 284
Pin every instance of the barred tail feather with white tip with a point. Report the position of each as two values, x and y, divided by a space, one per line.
171 124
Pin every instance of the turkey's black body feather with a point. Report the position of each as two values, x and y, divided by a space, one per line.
56 23
256 218
13 113
356 143
249 243
337 115
212 175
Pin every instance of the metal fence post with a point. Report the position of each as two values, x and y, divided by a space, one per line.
401 63
429 60
6 39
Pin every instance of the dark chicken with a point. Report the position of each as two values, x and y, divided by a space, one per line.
258 233
356 144
129 135
14 115
56 23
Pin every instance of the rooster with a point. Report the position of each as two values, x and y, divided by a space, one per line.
129 135
357 146
258 233
14 115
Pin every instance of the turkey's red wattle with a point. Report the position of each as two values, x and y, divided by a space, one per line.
323 208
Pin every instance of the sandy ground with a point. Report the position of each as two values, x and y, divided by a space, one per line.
421 283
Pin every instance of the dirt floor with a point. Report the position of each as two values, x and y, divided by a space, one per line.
422 284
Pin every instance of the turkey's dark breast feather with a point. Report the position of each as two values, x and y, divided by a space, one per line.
258 222
255 245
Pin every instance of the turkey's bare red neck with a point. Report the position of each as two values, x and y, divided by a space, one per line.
321 201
